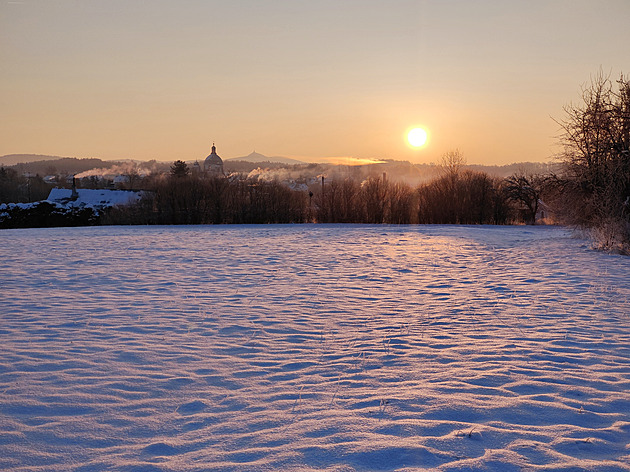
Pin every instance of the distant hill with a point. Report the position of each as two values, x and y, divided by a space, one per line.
12 159
396 170
59 165
257 157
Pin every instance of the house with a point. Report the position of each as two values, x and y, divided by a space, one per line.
545 214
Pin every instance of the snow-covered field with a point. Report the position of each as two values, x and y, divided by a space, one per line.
305 347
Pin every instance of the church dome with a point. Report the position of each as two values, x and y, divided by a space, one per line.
213 162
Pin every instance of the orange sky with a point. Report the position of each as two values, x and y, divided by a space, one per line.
312 80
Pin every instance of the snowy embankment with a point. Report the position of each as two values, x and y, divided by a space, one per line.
312 348
65 207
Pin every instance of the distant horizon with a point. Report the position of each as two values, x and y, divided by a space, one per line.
350 161
306 159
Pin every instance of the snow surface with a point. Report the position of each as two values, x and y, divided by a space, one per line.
307 348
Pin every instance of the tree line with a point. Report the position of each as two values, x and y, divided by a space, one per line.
181 196
202 199
458 196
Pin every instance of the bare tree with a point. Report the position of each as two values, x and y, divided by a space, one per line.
525 191
452 162
351 210
596 156
374 192
400 204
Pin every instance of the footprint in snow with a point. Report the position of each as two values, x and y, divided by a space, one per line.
160 449
191 408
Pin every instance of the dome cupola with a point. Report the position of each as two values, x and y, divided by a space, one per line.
213 162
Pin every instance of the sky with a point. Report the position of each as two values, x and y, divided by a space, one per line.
315 80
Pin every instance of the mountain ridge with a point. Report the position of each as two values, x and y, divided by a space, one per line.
257 157
38 163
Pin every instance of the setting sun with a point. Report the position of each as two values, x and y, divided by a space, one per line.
417 137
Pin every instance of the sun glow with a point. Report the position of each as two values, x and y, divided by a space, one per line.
417 137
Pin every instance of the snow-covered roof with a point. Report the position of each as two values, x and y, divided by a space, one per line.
94 198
